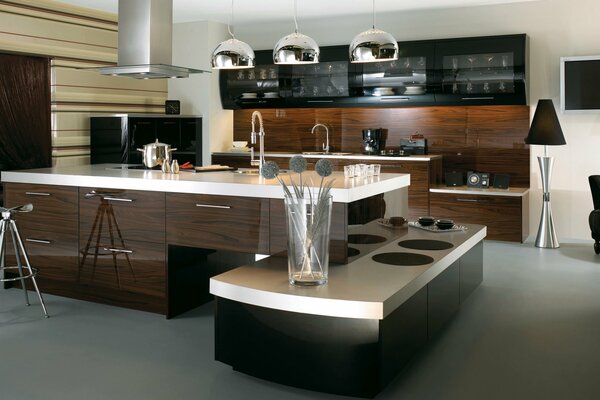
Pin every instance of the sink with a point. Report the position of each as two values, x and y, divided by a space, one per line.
246 171
254 171
322 153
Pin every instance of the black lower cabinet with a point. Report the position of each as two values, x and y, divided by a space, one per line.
346 356
471 271
443 297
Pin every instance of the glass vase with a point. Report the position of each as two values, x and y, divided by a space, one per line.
308 223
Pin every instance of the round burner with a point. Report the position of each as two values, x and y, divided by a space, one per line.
423 244
402 258
353 252
365 239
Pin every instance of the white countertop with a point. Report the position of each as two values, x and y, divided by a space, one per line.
345 190
353 156
510 192
362 288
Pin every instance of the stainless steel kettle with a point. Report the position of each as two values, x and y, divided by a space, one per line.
156 153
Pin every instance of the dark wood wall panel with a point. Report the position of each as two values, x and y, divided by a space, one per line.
481 138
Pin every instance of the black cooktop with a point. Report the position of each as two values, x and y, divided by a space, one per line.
403 259
424 244
361 238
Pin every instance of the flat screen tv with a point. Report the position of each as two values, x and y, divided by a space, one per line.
580 83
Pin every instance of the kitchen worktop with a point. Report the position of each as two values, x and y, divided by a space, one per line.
345 156
362 288
117 176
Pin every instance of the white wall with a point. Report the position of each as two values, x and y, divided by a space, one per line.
555 27
193 43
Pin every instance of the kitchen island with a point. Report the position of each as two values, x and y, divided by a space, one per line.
354 334
148 240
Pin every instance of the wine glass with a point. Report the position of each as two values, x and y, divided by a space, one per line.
469 87
454 64
504 62
486 87
489 61
471 59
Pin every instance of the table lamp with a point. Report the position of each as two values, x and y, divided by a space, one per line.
545 130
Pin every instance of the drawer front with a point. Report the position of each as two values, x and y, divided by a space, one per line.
53 253
218 222
118 216
54 207
136 267
501 214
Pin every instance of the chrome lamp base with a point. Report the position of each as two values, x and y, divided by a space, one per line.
546 236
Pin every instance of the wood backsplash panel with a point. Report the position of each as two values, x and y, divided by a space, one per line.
480 138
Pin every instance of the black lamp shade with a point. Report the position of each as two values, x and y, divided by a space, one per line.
545 128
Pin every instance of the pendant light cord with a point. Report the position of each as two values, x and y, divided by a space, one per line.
373 14
295 15
230 25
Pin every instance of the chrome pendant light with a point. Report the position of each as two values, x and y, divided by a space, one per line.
296 48
232 53
373 45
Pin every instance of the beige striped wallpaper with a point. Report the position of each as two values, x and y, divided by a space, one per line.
76 38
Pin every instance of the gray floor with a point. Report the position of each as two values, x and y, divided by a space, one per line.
531 331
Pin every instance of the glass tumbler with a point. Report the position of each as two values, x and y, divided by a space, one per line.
349 171
376 169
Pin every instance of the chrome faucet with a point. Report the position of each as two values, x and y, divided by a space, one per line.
326 144
261 140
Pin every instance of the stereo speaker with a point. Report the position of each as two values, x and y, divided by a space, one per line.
501 181
454 178
478 179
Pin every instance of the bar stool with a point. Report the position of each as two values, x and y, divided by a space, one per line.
8 224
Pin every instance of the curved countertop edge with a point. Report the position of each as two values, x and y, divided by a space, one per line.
299 304
214 183
344 308
353 156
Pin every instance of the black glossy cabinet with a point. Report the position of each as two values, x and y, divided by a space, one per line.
466 71
115 139
486 70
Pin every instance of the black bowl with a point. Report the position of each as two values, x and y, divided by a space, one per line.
444 223
426 221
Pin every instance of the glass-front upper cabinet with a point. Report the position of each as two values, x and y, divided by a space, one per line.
327 83
258 87
410 79
486 70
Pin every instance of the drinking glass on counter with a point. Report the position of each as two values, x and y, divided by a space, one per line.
376 169
349 171
370 170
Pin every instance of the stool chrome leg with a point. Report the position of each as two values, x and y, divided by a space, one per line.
19 264
2 230
15 232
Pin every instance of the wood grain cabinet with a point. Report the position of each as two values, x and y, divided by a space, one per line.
506 217
218 222
49 232
123 247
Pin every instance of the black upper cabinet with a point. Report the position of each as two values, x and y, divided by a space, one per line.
410 80
485 70
467 71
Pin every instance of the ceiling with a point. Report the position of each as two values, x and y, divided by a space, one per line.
247 12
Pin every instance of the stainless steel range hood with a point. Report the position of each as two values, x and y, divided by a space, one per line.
145 41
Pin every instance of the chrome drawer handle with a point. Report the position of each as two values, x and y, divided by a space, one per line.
118 250
211 206
320 101
395 99
37 194
38 241
479 98
109 198
105 196
468 200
